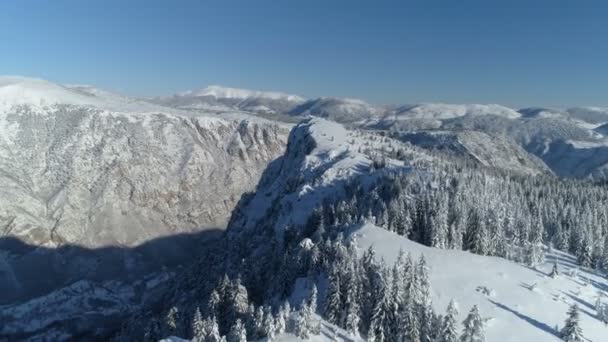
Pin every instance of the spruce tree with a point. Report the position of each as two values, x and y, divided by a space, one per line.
302 323
473 327
198 327
333 303
449 330
554 272
171 321
571 332
269 327
237 332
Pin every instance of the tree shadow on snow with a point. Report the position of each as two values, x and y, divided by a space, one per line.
582 304
540 325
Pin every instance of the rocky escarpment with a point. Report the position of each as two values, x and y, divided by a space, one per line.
93 178
103 205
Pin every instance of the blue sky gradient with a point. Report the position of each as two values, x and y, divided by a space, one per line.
517 53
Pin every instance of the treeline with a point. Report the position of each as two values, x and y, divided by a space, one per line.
514 217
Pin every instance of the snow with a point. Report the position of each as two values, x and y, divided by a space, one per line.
519 303
39 95
173 339
345 110
447 111
236 93
329 332
587 144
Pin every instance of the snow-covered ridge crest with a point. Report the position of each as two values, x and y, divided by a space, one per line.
40 94
321 157
238 93
446 111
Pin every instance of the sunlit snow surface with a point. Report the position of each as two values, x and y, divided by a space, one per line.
518 303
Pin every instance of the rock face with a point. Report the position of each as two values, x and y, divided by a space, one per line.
91 177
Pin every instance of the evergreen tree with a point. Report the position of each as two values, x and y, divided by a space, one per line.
237 332
171 321
584 256
259 322
302 323
210 331
313 299
554 272
449 330
571 332
198 327
473 327
333 302
213 304
269 327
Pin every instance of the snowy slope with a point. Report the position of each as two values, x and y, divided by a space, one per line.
521 304
39 95
492 151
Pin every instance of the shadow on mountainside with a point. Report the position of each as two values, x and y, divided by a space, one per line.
40 286
28 271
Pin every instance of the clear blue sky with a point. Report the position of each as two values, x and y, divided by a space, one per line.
511 52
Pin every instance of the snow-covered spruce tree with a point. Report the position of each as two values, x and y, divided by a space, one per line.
571 332
378 317
210 331
604 259
585 253
269 324
449 330
284 318
213 303
303 321
370 269
554 271
423 303
333 302
198 327
172 321
351 294
259 323
237 332
473 327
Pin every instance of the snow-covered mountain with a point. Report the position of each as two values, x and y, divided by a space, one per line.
541 131
217 98
497 151
84 171
338 109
